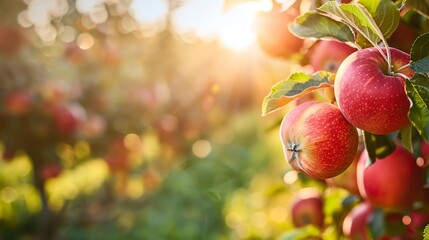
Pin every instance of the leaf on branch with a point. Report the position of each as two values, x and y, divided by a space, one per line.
421 6
379 146
297 85
420 54
418 92
371 19
302 233
377 223
385 14
314 25
426 233
407 137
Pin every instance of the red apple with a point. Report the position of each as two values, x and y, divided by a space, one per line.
307 208
50 171
328 55
418 221
273 34
348 179
68 118
403 37
356 222
393 183
318 140
369 97
18 102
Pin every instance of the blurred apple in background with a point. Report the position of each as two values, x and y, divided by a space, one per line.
68 118
307 208
393 183
18 102
328 55
356 222
51 170
273 34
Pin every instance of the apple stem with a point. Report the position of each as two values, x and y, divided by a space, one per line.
401 75
402 67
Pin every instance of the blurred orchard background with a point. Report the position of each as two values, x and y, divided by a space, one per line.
141 119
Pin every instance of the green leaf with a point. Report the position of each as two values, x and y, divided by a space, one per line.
420 54
376 224
406 137
297 85
379 146
314 25
421 6
385 14
426 233
302 233
418 92
371 19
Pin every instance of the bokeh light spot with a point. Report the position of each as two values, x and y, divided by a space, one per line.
406 220
201 148
132 142
290 177
8 194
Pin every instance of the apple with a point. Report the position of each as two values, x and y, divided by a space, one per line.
318 140
393 183
51 170
12 39
425 150
18 102
348 179
418 221
273 35
356 222
370 98
403 37
328 55
307 208
68 118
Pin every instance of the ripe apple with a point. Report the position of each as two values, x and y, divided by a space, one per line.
356 222
328 55
318 140
18 102
348 179
369 97
273 35
307 208
393 183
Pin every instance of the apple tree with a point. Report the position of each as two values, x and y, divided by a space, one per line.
380 87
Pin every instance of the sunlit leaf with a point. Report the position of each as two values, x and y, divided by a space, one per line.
378 146
314 25
418 91
380 19
307 232
406 137
420 54
385 14
297 85
426 233
421 6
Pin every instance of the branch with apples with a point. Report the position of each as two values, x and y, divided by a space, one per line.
370 131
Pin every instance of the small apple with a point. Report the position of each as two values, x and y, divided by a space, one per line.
393 183
369 97
328 55
51 170
18 102
273 34
307 208
355 225
318 140
68 118
348 179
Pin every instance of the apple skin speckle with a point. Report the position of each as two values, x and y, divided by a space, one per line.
369 98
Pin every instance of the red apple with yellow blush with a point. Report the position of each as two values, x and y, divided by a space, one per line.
318 140
370 97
